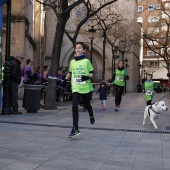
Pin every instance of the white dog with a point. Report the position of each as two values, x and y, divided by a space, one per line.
153 111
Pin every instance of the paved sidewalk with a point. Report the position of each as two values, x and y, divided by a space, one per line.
117 141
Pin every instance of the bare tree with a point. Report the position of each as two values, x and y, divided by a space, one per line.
105 22
62 9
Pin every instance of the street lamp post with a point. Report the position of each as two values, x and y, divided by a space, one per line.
139 85
91 37
6 107
126 66
144 71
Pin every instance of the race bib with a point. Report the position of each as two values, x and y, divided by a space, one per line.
78 81
148 92
120 78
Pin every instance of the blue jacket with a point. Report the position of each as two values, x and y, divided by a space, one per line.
103 93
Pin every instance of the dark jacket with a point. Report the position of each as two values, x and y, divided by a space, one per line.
103 93
16 71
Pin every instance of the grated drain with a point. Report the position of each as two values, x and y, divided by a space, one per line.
94 128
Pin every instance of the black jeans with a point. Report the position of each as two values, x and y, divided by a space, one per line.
149 102
75 102
118 90
14 96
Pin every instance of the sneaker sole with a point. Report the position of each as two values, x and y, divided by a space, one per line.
74 135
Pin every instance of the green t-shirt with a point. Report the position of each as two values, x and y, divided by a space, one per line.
149 87
77 69
120 77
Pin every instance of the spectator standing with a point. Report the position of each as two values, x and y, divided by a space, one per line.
46 74
37 76
15 81
28 72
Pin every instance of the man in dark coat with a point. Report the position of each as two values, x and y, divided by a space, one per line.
15 81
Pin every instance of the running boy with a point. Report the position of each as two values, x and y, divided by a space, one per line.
148 88
81 71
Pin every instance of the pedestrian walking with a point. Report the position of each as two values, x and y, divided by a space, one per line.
80 71
148 87
15 81
103 94
119 76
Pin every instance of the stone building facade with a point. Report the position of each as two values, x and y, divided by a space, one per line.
33 31
27 30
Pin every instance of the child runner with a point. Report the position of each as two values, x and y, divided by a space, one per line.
148 88
103 94
118 79
81 71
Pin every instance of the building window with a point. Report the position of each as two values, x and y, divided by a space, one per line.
154 63
140 19
153 19
153 30
153 42
164 27
151 53
140 8
153 7
167 5
165 15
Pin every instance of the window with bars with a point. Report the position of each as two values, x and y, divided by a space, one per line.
153 7
153 19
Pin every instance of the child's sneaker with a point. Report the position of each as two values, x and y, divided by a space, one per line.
74 133
92 120
117 108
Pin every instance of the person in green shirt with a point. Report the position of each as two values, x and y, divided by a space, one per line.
80 71
149 87
118 79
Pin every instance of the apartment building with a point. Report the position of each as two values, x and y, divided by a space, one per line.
152 15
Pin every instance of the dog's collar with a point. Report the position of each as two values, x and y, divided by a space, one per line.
150 107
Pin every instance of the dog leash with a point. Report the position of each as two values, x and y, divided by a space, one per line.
162 97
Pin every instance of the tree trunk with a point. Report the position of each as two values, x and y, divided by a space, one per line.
112 60
104 55
50 102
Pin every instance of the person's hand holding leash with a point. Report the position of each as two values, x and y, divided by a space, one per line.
84 78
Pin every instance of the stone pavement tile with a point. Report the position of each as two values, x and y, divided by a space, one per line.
150 149
125 153
34 159
149 158
143 165
118 164
133 135
63 158
129 143
20 166
86 164
154 136
166 162
57 167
